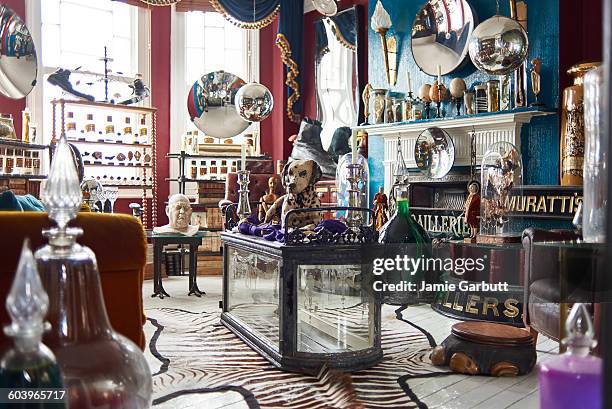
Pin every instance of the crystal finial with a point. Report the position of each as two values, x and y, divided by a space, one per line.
580 333
27 302
62 193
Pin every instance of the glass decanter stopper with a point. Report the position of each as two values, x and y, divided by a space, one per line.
574 378
101 368
29 364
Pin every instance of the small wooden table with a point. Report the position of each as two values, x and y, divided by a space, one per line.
159 241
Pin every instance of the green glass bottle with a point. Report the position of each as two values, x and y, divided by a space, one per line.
403 236
30 364
401 227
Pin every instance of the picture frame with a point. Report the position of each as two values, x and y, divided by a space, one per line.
198 219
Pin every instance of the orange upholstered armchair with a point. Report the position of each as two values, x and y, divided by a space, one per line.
119 243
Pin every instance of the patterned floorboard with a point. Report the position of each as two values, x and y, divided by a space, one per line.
194 375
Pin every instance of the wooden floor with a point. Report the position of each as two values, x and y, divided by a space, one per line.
453 391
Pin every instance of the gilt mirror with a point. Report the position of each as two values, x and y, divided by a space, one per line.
337 72
440 35
18 64
211 105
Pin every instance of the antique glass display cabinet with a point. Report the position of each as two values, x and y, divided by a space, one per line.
303 305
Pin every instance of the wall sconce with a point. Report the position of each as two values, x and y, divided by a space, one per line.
381 23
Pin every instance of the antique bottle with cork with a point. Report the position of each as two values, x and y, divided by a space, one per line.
127 131
109 129
29 364
143 131
101 368
573 379
90 129
71 131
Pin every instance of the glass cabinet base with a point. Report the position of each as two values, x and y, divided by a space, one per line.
301 306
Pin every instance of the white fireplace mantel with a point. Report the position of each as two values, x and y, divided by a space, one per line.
489 128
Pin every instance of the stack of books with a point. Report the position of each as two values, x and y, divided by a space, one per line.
210 192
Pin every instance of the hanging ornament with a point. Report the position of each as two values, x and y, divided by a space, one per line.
254 102
499 45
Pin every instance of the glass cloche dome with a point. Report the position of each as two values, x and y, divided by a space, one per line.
501 186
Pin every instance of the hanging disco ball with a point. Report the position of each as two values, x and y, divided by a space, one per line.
498 45
254 102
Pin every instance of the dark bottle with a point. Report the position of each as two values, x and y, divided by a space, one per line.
401 227
29 364
403 236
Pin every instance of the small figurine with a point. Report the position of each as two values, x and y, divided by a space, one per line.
179 214
535 80
365 97
472 211
381 209
268 199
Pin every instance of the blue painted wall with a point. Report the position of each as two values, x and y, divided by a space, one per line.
539 140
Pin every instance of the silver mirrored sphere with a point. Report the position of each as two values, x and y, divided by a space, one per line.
18 63
254 102
498 46
434 153
211 105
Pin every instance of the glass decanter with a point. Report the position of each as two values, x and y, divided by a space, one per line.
29 364
101 368
573 379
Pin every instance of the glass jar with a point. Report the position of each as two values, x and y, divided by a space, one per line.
378 105
468 103
344 189
71 131
492 96
398 108
389 111
407 109
109 130
595 197
90 129
480 99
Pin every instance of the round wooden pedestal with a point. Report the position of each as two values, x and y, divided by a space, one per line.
485 348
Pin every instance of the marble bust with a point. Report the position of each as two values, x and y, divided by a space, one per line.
179 214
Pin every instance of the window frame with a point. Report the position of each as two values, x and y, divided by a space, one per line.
178 104
36 99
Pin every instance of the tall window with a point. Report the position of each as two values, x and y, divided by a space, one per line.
212 43
74 34
203 42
